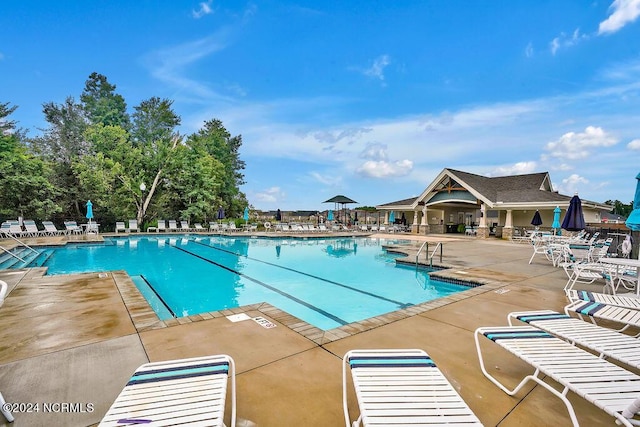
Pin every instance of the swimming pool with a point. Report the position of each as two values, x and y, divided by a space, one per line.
325 282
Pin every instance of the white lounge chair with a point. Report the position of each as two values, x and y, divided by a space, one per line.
177 392
162 226
232 227
133 225
590 272
72 227
173 226
198 227
5 411
214 227
595 311
610 387
120 227
402 387
31 229
184 226
606 342
615 300
50 229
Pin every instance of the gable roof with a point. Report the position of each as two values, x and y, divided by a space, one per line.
534 189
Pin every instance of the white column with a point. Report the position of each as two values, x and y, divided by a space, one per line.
425 218
508 222
415 217
386 218
483 215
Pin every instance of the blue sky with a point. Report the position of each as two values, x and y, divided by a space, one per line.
370 99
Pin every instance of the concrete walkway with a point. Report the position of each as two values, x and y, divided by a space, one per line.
78 338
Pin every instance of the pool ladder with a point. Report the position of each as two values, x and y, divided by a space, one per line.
429 257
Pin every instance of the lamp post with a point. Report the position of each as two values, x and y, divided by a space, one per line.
143 188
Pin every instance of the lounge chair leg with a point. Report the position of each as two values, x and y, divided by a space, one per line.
4 410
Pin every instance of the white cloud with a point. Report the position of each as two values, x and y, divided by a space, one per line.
528 51
574 146
566 41
623 12
270 195
634 145
572 184
330 180
377 69
384 169
170 65
374 151
205 9
515 169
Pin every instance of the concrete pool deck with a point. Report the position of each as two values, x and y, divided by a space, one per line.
78 338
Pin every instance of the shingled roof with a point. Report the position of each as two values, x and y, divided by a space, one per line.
533 188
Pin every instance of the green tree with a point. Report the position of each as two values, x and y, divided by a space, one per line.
24 179
620 208
61 144
154 141
102 105
194 183
216 141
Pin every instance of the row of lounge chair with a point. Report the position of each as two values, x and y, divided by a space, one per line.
398 385
405 387
29 228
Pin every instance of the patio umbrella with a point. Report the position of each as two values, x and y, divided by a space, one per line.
633 221
330 215
556 219
537 220
392 217
89 211
278 215
220 214
246 214
574 218
355 218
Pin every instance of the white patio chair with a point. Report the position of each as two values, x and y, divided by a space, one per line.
120 227
606 342
595 311
610 387
5 411
177 392
402 387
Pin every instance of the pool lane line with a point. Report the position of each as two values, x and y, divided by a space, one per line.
380 297
276 290
159 297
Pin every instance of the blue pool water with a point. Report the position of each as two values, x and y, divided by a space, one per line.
325 282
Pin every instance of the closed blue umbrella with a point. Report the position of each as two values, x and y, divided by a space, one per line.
536 221
221 213
392 217
330 215
278 215
89 210
633 221
556 219
574 218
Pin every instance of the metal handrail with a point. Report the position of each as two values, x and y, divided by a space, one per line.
439 245
420 250
20 242
429 257
11 253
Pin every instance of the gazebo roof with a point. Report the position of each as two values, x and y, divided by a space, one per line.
339 199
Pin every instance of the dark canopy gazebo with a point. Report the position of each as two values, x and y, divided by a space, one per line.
340 200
